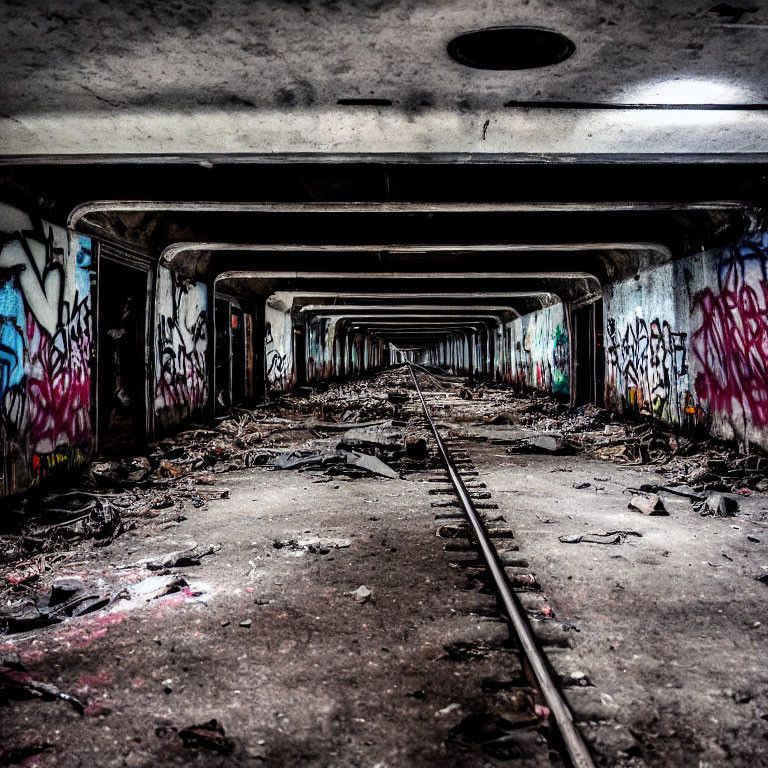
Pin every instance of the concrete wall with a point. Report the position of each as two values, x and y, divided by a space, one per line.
278 345
688 342
321 342
181 348
540 350
46 338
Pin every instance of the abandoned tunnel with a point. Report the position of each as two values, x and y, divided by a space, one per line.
383 384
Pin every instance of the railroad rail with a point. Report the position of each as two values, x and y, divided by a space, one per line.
573 745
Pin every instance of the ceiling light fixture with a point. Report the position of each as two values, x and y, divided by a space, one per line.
510 48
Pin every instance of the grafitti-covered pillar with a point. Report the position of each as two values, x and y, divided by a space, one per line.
46 338
181 347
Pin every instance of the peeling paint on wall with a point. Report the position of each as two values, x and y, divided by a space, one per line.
45 348
540 350
181 346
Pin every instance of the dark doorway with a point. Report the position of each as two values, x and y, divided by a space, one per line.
121 360
223 355
300 352
588 354
237 325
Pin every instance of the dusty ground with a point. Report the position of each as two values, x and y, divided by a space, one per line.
668 626
318 679
671 625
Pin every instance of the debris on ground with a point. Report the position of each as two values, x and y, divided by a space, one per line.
17 684
183 558
155 586
649 504
334 462
210 735
314 545
362 594
553 444
611 537
719 505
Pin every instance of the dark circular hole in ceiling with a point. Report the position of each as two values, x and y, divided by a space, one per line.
506 48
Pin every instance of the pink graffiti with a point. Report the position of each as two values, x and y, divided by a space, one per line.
58 388
731 348
187 388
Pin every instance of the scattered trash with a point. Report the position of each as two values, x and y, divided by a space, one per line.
718 505
542 444
648 504
246 623
315 545
334 462
611 537
183 558
18 684
577 678
362 594
210 735
156 586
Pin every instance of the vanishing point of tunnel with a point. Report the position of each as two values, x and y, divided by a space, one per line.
383 384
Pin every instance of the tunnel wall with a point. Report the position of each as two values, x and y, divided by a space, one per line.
321 344
278 346
688 342
46 337
181 348
540 350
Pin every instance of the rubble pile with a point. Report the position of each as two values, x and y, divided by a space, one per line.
357 429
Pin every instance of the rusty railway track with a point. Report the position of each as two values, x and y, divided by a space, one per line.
571 741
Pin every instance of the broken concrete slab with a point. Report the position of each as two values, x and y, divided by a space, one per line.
648 504
720 505
611 537
544 444
369 464
335 460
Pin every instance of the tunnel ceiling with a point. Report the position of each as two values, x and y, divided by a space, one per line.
436 154
272 77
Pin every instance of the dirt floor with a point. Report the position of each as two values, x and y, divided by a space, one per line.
332 627
669 626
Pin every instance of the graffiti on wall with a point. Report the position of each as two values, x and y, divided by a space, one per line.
181 345
647 368
45 341
730 343
540 351
276 361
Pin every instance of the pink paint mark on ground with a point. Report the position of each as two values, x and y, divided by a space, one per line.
91 629
31 657
33 761
95 709
102 677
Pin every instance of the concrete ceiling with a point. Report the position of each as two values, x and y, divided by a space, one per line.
266 78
